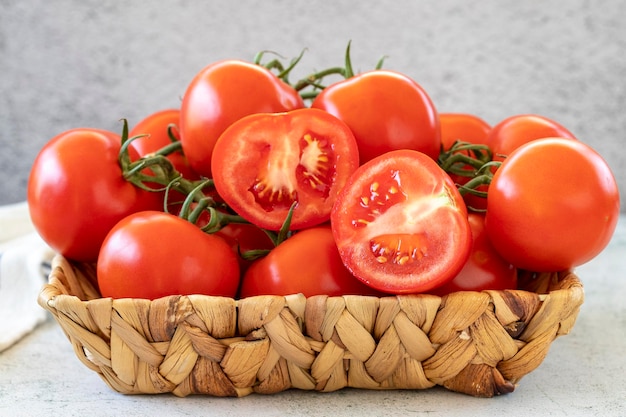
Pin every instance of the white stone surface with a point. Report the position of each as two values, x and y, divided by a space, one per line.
71 63
584 374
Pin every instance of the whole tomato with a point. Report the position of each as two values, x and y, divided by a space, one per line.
464 127
307 263
76 192
553 204
155 254
400 224
386 110
514 131
485 269
221 94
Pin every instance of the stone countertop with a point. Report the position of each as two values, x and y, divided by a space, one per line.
584 374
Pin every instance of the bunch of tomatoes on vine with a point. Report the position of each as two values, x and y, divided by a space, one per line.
359 185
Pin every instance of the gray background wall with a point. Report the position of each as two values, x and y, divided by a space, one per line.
71 63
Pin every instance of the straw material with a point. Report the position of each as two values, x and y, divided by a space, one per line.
478 343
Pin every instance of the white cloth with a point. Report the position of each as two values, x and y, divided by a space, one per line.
23 259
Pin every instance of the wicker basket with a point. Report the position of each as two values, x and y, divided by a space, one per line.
478 343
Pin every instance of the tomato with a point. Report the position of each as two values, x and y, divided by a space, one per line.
185 261
76 192
221 94
553 204
264 163
386 111
464 127
307 263
485 269
514 131
155 127
471 129
400 224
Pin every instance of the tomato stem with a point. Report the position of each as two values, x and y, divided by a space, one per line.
349 72
470 160
314 80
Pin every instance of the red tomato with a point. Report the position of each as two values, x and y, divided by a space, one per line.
221 94
401 225
386 111
467 128
485 269
514 131
185 261
553 204
464 127
76 192
155 126
263 163
307 263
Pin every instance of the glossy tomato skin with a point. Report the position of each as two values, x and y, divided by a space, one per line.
183 261
485 269
467 128
263 163
401 225
514 131
222 93
155 128
76 192
307 263
386 110
553 204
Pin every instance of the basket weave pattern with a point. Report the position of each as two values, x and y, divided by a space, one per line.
478 343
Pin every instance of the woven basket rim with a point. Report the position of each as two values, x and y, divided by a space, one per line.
568 281
497 336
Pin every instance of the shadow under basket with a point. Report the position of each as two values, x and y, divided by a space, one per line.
477 343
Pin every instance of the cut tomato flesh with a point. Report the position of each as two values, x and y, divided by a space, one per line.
401 225
265 163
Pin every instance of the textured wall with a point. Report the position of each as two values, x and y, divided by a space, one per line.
70 63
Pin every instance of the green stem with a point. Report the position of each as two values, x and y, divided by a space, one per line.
314 78
349 72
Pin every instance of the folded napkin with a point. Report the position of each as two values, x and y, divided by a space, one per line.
24 265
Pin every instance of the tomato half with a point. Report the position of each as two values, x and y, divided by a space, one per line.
485 269
76 192
553 204
400 224
281 272
514 131
386 111
185 260
221 94
263 163
466 128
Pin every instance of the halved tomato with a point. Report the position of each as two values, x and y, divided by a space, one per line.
401 225
265 163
